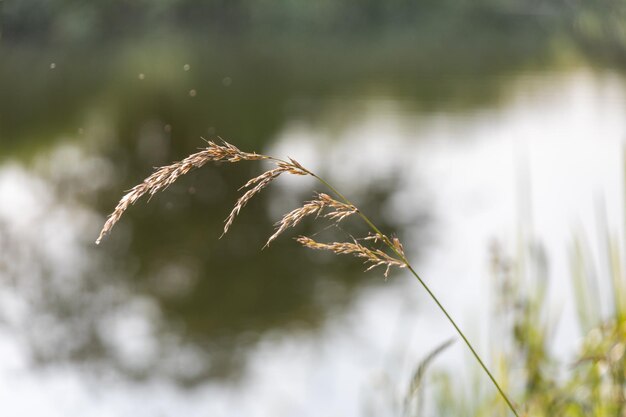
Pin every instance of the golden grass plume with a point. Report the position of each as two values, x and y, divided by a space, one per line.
314 207
374 257
336 210
339 209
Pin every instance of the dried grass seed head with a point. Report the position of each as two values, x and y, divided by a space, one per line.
374 257
313 207
260 182
295 216
165 176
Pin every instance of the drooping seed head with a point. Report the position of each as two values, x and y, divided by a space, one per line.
373 257
314 207
259 183
165 176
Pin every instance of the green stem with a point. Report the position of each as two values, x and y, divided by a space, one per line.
467 342
428 290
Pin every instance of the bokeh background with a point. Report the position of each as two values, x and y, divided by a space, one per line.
467 129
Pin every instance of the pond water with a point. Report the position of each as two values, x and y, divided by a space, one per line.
166 319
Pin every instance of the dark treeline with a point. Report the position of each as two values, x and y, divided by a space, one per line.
597 27
71 19
424 51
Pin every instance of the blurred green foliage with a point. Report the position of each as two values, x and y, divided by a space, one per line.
62 20
75 19
284 57
592 382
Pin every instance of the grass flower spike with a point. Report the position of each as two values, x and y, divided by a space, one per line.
323 205
314 207
374 257
165 176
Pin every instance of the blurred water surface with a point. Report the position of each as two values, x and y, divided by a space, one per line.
447 138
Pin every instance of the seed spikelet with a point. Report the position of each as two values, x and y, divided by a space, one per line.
373 257
314 207
165 176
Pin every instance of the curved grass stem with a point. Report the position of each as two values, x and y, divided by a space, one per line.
166 175
428 290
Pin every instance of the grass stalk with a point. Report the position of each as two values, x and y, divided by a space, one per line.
225 152
428 290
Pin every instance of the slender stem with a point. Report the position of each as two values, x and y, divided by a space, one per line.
428 290
467 342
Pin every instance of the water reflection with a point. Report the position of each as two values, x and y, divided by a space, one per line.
163 296
164 300
244 88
